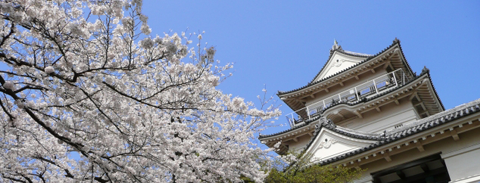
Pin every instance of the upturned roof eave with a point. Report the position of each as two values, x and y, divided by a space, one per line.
396 42
336 129
435 92
292 130
423 126
423 75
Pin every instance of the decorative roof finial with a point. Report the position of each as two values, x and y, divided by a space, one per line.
425 69
335 46
323 120
396 40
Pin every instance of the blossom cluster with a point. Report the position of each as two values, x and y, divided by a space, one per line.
86 77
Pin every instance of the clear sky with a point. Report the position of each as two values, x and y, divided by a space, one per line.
284 44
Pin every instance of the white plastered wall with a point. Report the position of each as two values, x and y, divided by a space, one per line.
389 116
463 163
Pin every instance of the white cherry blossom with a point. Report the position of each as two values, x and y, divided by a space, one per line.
84 99
49 70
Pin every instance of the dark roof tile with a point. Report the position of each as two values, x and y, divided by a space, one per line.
346 69
340 103
421 125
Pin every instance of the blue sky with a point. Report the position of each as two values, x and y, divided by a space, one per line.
283 44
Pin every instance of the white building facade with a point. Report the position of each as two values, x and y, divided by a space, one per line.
374 112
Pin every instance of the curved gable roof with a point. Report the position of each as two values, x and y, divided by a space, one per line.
332 54
427 123
425 73
367 58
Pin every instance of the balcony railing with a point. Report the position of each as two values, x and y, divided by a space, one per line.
353 95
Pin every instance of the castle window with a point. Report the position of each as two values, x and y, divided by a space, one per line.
428 169
365 91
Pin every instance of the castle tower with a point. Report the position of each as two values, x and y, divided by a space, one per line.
373 111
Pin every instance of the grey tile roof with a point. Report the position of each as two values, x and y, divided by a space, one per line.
357 54
424 124
328 124
368 58
308 121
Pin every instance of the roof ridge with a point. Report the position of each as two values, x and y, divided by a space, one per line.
426 123
357 131
327 123
308 121
312 82
291 129
344 51
357 53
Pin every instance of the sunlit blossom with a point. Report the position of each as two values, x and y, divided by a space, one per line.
100 99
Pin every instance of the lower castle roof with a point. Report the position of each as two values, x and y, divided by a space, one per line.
389 137
309 121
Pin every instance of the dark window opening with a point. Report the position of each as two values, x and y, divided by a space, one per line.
431 169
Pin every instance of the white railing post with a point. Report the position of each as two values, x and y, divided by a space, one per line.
339 98
395 79
308 112
375 85
292 120
403 77
289 121
356 93
324 106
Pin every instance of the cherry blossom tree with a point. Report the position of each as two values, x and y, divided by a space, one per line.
295 167
87 94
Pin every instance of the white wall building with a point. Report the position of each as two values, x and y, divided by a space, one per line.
374 112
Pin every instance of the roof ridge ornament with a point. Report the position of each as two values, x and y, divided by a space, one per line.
425 69
323 121
335 46
396 40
